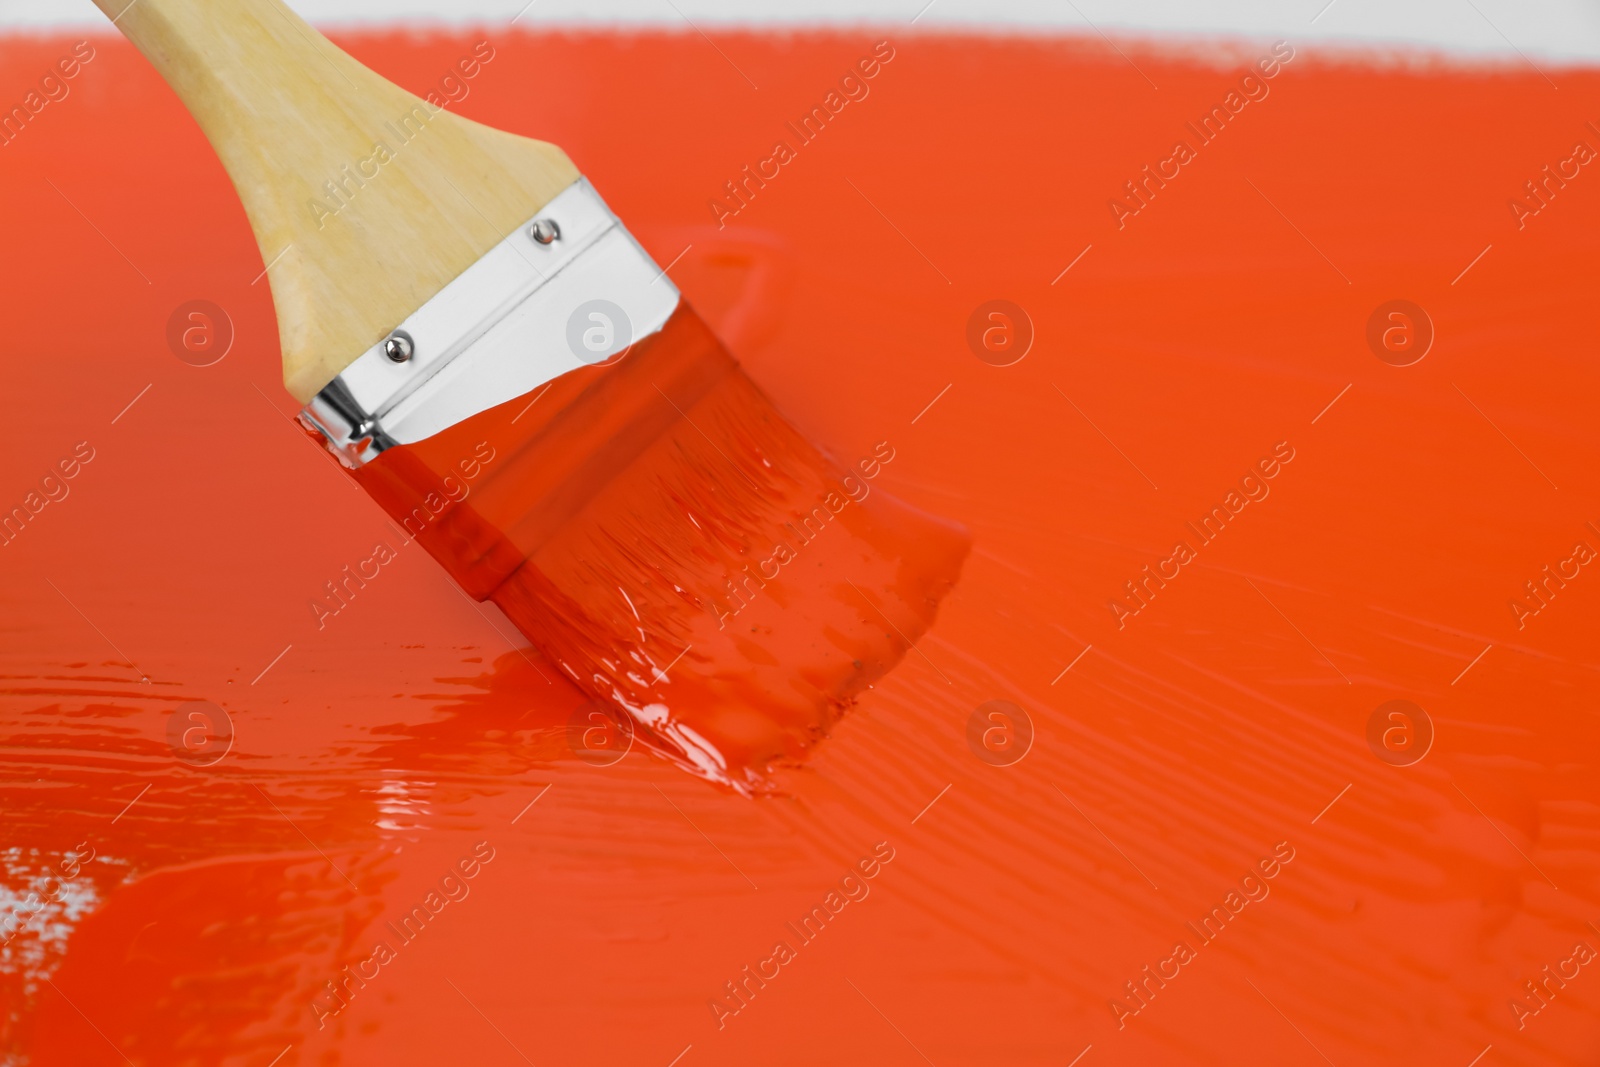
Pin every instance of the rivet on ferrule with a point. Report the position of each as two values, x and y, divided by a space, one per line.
399 347
545 231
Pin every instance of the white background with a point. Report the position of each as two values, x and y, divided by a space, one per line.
1555 31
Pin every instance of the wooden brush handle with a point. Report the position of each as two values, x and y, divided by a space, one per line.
364 199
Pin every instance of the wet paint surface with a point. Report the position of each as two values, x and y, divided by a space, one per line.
671 545
1175 761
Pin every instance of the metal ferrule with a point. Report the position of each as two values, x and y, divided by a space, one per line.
570 288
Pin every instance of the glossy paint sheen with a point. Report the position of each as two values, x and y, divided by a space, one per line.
383 749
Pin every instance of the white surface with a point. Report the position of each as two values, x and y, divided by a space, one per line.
1560 30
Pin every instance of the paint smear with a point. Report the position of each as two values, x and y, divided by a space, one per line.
936 898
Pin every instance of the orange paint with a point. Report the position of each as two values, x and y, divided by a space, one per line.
1224 725
674 547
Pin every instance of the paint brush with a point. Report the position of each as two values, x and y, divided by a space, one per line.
482 344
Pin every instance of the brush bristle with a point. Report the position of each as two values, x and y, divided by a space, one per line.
666 539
